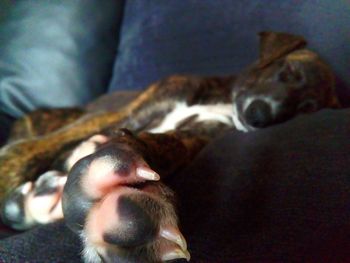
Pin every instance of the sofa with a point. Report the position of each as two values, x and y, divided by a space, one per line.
279 194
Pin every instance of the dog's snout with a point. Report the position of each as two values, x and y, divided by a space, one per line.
258 114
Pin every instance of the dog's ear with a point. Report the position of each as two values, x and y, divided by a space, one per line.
274 45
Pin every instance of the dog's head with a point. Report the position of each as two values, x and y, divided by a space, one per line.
287 80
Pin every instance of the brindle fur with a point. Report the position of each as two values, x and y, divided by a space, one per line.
43 121
25 159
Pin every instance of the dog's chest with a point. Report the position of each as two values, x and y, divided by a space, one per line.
183 115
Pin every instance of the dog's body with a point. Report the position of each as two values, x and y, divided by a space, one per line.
170 122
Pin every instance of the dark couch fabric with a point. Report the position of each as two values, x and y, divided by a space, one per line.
53 243
159 38
276 195
55 53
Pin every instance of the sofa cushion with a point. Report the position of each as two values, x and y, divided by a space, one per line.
276 195
55 53
51 243
159 38
280 194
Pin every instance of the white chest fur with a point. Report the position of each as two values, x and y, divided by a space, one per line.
213 112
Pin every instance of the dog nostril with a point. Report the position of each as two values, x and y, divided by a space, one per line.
258 114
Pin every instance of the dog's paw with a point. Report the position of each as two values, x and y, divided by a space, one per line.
39 202
121 211
85 148
35 203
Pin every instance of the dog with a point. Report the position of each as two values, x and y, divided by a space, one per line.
109 186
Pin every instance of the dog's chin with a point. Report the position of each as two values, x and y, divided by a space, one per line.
240 124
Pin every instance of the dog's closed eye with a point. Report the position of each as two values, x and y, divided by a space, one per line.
290 74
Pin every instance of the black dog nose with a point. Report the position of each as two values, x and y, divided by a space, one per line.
258 114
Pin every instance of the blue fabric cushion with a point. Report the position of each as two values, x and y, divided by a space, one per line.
159 38
55 53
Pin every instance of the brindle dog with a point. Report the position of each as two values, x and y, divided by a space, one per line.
114 197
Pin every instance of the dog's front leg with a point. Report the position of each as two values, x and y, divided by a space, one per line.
115 200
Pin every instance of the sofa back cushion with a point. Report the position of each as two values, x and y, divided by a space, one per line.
159 38
55 53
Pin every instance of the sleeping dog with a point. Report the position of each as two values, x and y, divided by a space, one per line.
109 187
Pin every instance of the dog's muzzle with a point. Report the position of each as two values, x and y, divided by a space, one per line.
258 114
